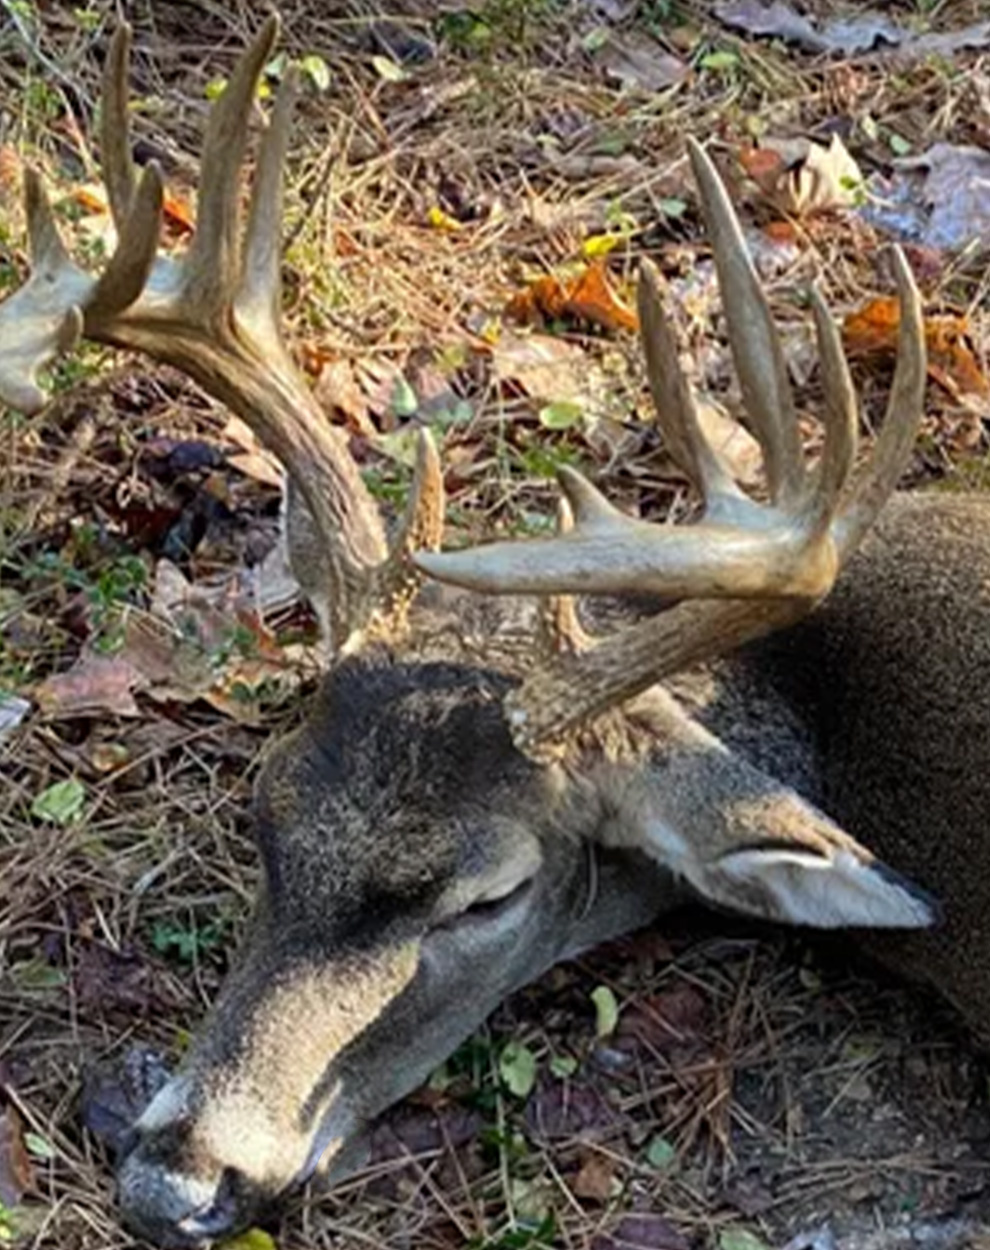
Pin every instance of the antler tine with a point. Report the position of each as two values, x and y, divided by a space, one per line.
214 258
840 418
905 408
677 412
115 126
753 337
769 564
129 267
43 318
214 315
259 296
421 528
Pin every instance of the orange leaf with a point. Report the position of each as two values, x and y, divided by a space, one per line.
178 214
588 296
91 200
592 298
951 363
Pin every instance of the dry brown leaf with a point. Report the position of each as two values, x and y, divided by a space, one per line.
338 391
16 1168
253 460
951 360
596 1179
545 368
849 34
95 683
588 295
636 60
957 193
737 449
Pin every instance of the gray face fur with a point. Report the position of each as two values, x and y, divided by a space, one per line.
417 869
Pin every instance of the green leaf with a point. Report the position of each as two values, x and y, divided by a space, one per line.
720 60
316 70
660 1154
215 88
253 1239
403 402
517 1069
898 144
386 68
740 1239
671 206
61 803
595 39
606 1010
563 1066
39 1146
563 414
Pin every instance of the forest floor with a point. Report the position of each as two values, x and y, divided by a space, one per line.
471 189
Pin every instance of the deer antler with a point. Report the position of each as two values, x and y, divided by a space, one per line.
214 314
769 564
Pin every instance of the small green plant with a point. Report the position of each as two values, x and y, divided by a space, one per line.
187 942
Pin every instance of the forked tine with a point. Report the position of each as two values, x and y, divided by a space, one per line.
214 315
768 564
872 487
213 263
677 412
840 418
115 127
753 337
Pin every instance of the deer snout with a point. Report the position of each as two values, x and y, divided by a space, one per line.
179 1209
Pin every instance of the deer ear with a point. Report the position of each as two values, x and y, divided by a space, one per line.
747 843
844 886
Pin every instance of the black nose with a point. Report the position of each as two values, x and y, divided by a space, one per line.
175 1209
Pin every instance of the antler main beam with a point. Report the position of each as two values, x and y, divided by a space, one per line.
769 563
214 314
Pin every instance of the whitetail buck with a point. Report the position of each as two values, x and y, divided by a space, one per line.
455 816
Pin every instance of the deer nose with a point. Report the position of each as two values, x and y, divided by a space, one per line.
176 1209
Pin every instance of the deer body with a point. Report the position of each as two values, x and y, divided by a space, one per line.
456 815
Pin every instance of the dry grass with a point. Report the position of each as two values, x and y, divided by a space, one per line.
789 1091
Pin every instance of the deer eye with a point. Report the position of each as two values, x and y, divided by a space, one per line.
488 910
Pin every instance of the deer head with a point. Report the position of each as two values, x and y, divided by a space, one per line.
438 832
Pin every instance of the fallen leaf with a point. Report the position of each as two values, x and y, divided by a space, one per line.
606 1011
61 803
740 1239
951 360
848 36
596 1179
339 393
587 294
13 709
16 1169
734 446
637 61
95 683
441 220
253 459
805 178
641 1231
517 1069
956 191
548 370
251 1239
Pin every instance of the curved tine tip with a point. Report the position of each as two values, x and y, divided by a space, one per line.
701 163
907 286
588 503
